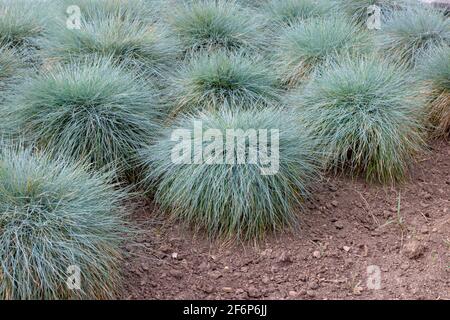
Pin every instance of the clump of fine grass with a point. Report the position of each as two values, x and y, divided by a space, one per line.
142 10
143 45
211 25
55 215
210 81
357 10
305 46
9 66
434 68
289 12
407 33
217 188
21 22
89 110
368 113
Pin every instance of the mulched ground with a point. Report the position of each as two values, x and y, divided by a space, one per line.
351 226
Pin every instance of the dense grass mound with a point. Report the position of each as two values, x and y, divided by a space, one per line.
233 199
91 110
142 10
141 45
21 22
358 9
304 46
288 12
9 66
209 81
368 114
407 33
435 69
210 25
55 215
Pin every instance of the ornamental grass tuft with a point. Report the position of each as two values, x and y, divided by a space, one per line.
211 25
217 188
305 46
56 217
369 115
358 10
434 68
21 22
409 33
289 12
211 81
144 46
91 110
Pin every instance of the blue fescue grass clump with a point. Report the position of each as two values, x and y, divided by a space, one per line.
141 10
21 22
9 66
209 81
357 10
368 113
233 200
408 33
55 215
144 46
289 12
306 45
434 68
212 25
90 110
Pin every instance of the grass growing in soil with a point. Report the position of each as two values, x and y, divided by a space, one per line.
435 69
368 114
304 46
234 200
55 215
211 25
144 46
21 22
210 81
288 12
408 33
90 111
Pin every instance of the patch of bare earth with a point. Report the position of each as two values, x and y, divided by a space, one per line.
402 232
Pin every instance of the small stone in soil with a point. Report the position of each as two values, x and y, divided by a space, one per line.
310 293
284 258
414 249
253 292
316 254
293 294
176 274
339 225
313 285
215 274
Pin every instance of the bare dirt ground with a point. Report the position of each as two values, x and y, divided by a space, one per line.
403 231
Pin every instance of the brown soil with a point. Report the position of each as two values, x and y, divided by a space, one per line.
352 225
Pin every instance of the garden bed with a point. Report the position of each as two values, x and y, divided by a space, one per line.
221 149
411 246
